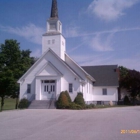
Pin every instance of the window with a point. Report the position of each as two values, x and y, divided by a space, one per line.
52 26
104 91
44 88
53 88
53 41
28 88
59 26
49 41
99 102
70 88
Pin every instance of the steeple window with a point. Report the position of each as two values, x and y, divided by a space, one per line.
49 41
53 41
52 26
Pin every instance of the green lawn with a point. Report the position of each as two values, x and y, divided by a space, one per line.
9 104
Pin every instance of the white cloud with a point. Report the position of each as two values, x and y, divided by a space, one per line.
99 44
30 32
69 34
36 53
102 59
72 31
110 9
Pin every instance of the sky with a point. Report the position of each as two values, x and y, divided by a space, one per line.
97 32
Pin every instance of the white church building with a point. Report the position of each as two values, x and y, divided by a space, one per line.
55 72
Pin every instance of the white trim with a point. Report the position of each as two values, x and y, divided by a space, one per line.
88 75
52 66
34 65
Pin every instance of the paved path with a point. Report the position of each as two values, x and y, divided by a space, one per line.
97 124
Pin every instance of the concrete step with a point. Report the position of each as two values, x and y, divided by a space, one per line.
39 104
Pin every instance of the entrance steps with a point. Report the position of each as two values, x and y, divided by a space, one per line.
42 104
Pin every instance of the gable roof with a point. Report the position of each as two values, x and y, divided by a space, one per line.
54 70
104 75
38 61
87 74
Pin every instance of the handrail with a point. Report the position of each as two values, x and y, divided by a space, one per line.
51 100
32 97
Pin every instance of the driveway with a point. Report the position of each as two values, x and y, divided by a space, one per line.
96 124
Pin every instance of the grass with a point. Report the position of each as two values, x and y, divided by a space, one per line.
9 104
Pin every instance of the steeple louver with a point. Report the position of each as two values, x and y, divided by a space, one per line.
54 10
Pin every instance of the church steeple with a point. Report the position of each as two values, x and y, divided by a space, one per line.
54 9
53 38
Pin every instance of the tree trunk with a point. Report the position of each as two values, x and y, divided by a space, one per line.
2 103
16 106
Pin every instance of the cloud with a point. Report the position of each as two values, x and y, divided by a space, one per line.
30 32
109 10
100 40
71 32
36 53
76 47
103 59
115 30
99 44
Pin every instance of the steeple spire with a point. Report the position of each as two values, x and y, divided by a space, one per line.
54 10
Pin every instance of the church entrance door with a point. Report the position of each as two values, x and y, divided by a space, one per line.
48 89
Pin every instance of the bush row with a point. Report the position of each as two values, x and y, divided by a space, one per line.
64 102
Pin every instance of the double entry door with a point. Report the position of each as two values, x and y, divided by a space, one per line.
48 89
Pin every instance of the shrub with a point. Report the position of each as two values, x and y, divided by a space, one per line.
68 96
80 100
24 103
90 106
62 101
74 106
126 100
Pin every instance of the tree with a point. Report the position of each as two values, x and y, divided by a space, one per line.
7 83
130 80
13 64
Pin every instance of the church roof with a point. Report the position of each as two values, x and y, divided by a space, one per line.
104 75
54 9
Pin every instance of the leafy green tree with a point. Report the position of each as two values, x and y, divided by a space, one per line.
7 83
13 64
130 80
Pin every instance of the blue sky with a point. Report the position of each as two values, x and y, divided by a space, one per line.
98 32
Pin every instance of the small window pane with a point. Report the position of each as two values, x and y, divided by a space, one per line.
104 91
53 88
44 88
53 41
46 81
29 88
47 88
99 102
52 81
70 88
49 42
